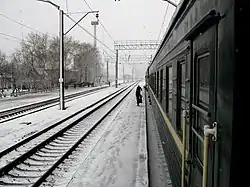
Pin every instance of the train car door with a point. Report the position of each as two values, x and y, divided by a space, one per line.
203 108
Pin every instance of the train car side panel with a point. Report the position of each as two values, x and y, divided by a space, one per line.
194 70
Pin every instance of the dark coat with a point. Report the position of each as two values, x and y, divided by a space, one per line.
138 91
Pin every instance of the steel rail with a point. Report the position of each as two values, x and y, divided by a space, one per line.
4 170
17 110
28 139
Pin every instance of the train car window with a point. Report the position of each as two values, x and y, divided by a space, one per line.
202 97
155 81
170 89
151 81
204 76
167 92
183 78
181 100
157 85
183 93
161 84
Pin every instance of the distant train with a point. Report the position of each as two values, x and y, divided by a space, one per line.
193 83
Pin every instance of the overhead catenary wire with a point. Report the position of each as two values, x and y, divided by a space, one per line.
90 33
106 29
102 25
4 34
13 40
87 4
14 37
31 28
20 39
20 23
67 6
99 21
108 55
163 21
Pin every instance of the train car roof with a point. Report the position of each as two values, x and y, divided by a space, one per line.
178 12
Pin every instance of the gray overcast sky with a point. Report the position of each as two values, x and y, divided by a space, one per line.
124 20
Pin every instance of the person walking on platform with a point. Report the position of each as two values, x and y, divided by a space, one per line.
138 95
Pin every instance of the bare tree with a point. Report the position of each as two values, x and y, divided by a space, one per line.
3 66
18 69
36 64
87 62
35 58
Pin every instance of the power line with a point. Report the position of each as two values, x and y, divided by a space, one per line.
11 39
4 34
19 39
163 21
77 12
90 33
87 5
105 28
67 5
20 23
108 54
102 25
14 37
99 20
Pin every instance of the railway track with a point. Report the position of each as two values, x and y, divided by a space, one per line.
34 160
17 112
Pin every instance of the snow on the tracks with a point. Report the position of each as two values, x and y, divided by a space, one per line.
12 102
15 130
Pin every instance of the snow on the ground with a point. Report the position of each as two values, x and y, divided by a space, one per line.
15 130
119 82
120 157
10 102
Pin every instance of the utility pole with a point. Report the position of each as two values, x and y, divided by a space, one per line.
132 73
94 23
107 71
61 64
61 78
116 69
61 36
123 73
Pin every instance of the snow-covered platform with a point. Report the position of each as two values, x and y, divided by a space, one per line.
120 157
158 168
130 153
